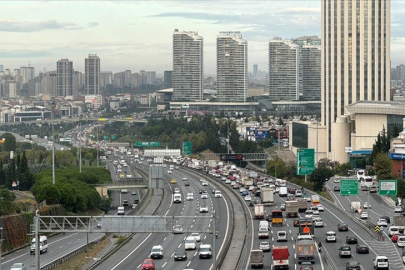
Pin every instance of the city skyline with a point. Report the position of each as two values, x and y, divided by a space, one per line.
138 35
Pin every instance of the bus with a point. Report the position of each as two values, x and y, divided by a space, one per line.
276 217
367 182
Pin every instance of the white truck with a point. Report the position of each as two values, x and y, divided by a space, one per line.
355 206
267 196
256 258
259 211
121 211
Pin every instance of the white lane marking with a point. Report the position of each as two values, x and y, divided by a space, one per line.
164 264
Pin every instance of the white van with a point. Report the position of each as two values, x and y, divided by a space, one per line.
264 224
177 198
121 211
190 243
381 262
263 232
283 192
43 247
205 251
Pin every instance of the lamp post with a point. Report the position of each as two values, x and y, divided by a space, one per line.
98 159
53 145
80 143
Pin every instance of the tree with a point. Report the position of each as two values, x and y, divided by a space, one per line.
401 188
395 132
319 176
383 166
10 142
344 168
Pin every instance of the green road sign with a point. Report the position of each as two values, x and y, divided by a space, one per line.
305 161
349 187
387 187
106 137
187 148
147 143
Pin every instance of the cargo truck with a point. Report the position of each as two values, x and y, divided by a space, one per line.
305 251
291 208
259 211
280 257
302 205
267 196
315 199
256 258
247 183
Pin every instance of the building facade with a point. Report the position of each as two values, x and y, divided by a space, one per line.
92 74
187 76
64 84
232 69
311 72
167 79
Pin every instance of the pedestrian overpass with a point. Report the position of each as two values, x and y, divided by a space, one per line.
128 183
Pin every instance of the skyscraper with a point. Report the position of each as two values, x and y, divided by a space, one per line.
232 59
355 62
285 70
92 75
255 69
64 81
311 72
27 73
187 76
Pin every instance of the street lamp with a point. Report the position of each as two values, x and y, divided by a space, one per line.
80 143
53 145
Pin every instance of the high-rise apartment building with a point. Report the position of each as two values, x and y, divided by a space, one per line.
232 60
187 76
78 83
106 78
27 73
167 79
92 74
1 68
151 77
135 81
49 83
285 70
143 77
311 72
355 63
255 69
64 84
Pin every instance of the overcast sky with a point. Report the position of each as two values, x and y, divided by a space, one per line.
137 35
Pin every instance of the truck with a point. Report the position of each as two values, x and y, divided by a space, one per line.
121 210
302 205
315 199
291 208
355 206
399 221
252 174
280 257
305 251
247 182
259 211
256 258
267 196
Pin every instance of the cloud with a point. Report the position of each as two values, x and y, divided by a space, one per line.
24 54
26 26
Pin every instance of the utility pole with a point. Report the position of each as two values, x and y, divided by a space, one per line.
98 159
80 144
53 144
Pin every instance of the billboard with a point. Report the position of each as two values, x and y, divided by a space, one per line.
258 133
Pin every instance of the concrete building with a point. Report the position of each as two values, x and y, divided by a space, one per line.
151 77
27 73
64 81
106 78
143 78
92 75
1 68
255 69
311 72
285 70
167 79
187 76
127 78
78 83
308 40
135 81
49 82
232 69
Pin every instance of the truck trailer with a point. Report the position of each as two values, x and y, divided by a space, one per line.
306 251
256 258
259 211
302 205
267 196
280 257
291 208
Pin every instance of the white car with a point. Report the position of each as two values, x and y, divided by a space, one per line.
336 180
265 246
318 222
242 189
233 183
251 188
309 214
366 205
330 236
228 181
196 236
203 209
223 178
315 210
401 241
320 208
217 194
190 196
298 193
204 183
392 230
248 198
364 215
382 222
398 209
204 196
169 171
282 236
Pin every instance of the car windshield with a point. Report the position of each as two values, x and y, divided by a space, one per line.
190 241
264 243
394 229
345 248
195 234
147 262
204 249
155 249
383 260
343 225
180 252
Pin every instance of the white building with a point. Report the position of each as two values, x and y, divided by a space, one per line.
93 101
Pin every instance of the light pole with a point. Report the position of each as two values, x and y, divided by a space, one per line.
53 145
98 160
80 144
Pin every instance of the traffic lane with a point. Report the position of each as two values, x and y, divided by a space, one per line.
58 246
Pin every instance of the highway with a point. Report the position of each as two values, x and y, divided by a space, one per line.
133 254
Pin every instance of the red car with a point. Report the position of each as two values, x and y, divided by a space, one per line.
395 236
187 183
148 264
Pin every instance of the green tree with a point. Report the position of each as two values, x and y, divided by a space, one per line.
10 142
319 176
383 166
277 168
401 188
344 168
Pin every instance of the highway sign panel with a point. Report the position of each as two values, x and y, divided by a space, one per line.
186 148
377 229
305 161
147 143
387 187
349 186
226 157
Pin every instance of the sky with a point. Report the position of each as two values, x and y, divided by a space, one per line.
137 35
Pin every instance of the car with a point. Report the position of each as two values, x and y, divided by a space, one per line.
196 236
401 241
177 190
187 183
248 198
308 199
362 249
353 265
253 202
392 230
265 246
320 208
190 196
242 189
350 239
336 180
318 222
173 181
403 256
203 209
330 236
133 193
336 188
282 236
21 266
296 222
309 214
345 251
306 266
169 171
394 237
213 191
184 179
398 209
382 222
298 193
156 252
282 207
204 196
236 186
180 255
387 219
366 205
204 183
315 210
228 181
373 190
148 264
244 193
177 229
202 190
364 215
218 194
343 227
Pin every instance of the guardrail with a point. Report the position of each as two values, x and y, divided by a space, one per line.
328 262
